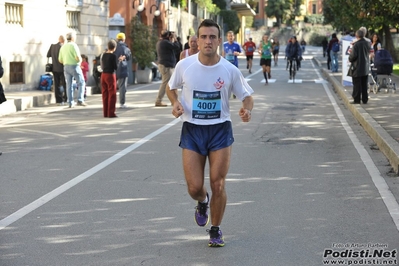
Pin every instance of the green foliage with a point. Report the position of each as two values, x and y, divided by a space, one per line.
221 4
315 19
283 10
143 42
231 20
375 15
316 39
209 5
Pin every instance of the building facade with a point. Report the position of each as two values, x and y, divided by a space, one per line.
29 27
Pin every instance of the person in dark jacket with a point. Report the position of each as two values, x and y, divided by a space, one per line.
123 55
293 52
167 48
359 58
60 91
333 54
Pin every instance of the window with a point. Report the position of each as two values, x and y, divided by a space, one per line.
74 2
13 14
314 9
16 72
73 20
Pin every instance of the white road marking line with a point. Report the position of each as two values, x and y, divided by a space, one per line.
379 182
61 189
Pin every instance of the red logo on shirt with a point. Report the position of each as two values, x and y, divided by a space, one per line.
218 84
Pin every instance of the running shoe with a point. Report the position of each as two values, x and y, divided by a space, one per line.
201 213
215 237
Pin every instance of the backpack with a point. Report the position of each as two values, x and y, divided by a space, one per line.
383 62
335 47
45 83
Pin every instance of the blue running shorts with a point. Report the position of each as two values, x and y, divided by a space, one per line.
205 138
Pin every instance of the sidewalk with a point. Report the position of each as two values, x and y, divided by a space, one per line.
379 117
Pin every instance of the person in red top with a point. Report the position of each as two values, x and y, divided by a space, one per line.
249 48
85 69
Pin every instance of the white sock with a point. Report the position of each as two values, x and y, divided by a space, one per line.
206 199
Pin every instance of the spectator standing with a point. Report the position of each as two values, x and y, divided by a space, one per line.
231 49
303 45
108 79
85 69
167 47
178 40
359 58
70 57
187 44
324 44
207 79
333 52
276 49
193 48
60 91
265 50
249 48
123 55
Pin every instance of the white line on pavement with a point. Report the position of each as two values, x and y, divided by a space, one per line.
379 182
61 189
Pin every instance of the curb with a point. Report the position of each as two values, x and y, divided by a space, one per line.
387 145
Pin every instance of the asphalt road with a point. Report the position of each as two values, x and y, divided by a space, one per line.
305 186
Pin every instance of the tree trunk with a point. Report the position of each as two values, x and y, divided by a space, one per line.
389 43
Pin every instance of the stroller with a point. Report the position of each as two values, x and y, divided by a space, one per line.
383 65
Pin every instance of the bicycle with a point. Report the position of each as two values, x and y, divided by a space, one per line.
293 68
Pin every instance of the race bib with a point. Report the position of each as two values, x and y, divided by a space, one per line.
230 57
250 49
266 52
206 105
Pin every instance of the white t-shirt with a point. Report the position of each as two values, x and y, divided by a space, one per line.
206 90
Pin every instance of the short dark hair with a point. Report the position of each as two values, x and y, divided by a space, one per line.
360 33
208 23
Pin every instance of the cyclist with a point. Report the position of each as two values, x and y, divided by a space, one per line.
293 52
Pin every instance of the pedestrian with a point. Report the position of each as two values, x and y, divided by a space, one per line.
324 44
359 58
178 40
187 44
108 79
123 55
85 69
333 52
207 130
249 48
375 46
70 57
303 45
294 52
276 49
2 96
265 50
231 49
167 47
193 48
60 92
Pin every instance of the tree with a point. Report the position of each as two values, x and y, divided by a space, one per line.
283 9
375 15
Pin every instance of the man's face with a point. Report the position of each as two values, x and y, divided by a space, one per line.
265 38
230 37
293 40
194 42
208 41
